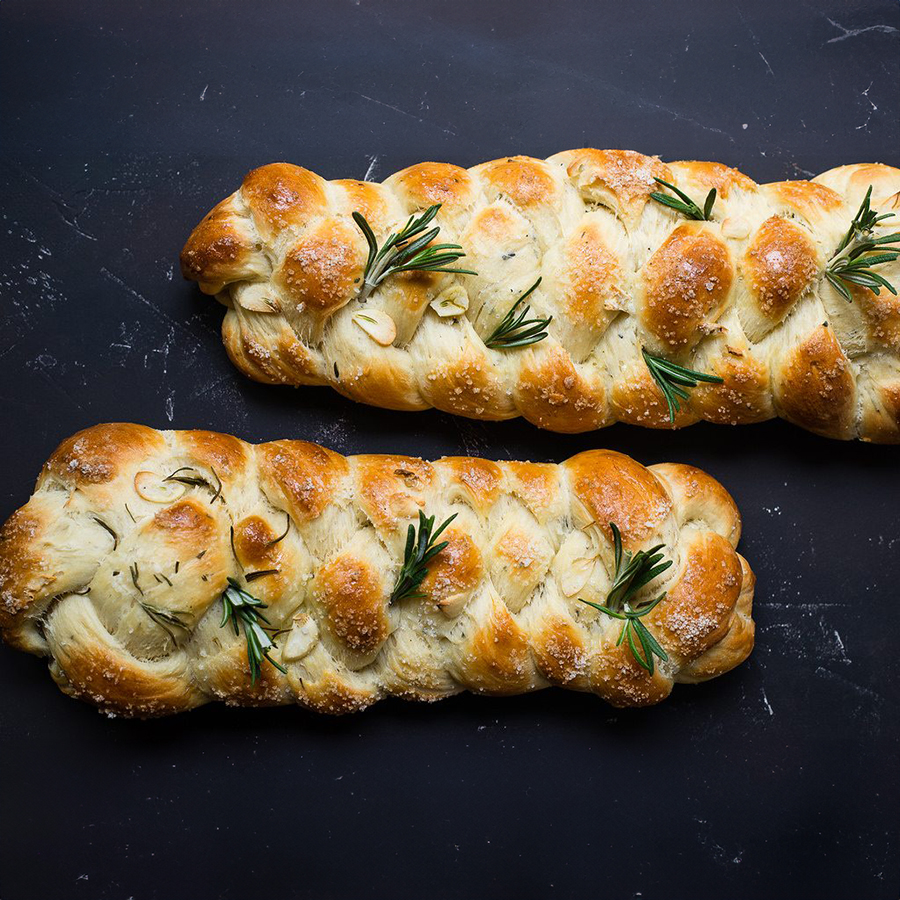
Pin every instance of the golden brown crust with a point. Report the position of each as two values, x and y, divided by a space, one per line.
736 296
116 573
686 285
553 394
319 271
710 175
699 499
351 593
216 249
93 456
306 475
281 196
615 488
535 484
620 179
479 478
560 653
392 487
816 387
781 263
743 397
637 399
455 572
807 198
428 183
521 179
700 605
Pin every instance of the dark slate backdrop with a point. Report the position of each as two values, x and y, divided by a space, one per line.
122 125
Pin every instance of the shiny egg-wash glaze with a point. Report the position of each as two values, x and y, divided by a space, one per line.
108 535
741 297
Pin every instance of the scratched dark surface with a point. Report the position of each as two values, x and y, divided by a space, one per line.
122 125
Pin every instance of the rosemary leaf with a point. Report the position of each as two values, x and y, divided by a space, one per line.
859 251
518 331
400 253
244 611
168 616
633 571
420 550
281 537
252 576
673 380
106 527
197 480
135 575
683 203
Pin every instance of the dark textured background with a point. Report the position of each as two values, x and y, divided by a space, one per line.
122 125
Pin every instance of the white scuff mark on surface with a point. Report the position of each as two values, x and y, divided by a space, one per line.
857 688
865 93
843 650
160 314
403 112
853 32
373 162
163 351
203 93
43 361
767 706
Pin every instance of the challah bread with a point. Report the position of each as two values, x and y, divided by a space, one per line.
741 297
115 569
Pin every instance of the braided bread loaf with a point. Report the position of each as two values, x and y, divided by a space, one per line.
116 572
741 297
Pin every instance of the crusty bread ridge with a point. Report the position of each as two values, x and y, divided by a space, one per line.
741 297
109 548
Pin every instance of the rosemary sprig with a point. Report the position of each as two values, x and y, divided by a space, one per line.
165 618
252 576
518 331
851 264
197 480
191 480
672 380
685 205
107 528
419 552
135 575
284 534
400 253
633 571
241 608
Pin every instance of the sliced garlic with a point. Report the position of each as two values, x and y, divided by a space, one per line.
453 605
150 486
618 302
576 575
735 227
256 298
377 324
452 302
581 516
303 636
